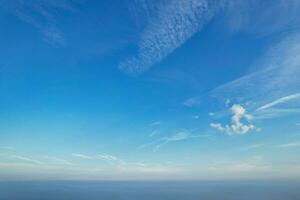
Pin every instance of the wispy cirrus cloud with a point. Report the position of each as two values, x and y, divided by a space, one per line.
253 146
169 26
26 159
82 156
291 144
42 15
103 157
9 148
260 17
57 160
278 77
253 164
281 100
180 136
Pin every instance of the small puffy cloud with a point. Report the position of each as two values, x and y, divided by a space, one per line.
240 122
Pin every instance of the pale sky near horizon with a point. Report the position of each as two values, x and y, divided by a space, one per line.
149 89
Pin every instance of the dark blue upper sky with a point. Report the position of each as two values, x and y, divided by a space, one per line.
149 89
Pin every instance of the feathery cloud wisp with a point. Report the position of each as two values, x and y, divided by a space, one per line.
41 15
280 101
291 144
278 77
26 159
180 136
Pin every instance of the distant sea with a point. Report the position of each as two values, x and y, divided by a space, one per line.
150 190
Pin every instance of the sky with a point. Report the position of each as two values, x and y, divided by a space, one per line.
149 89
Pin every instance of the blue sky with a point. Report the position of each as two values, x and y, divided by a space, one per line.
144 89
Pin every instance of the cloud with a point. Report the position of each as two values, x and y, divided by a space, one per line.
56 160
196 116
7 148
81 156
155 132
254 164
180 136
106 157
253 146
291 144
260 17
280 101
42 15
237 125
191 102
156 123
169 26
26 159
276 81
103 157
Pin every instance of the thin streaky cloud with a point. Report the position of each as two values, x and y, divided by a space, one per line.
180 136
291 144
83 156
253 146
56 160
103 157
7 148
42 15
280 101
26 159
106 157
278 77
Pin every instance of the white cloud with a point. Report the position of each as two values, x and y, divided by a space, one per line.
275 82
41 15
253 164
237 125
82 156
103 157
173 138
194 101
156 123
261 18
291 144
169 26
280 101
211 114
106 157
253 146
7 148
26 159
56 160
155 132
